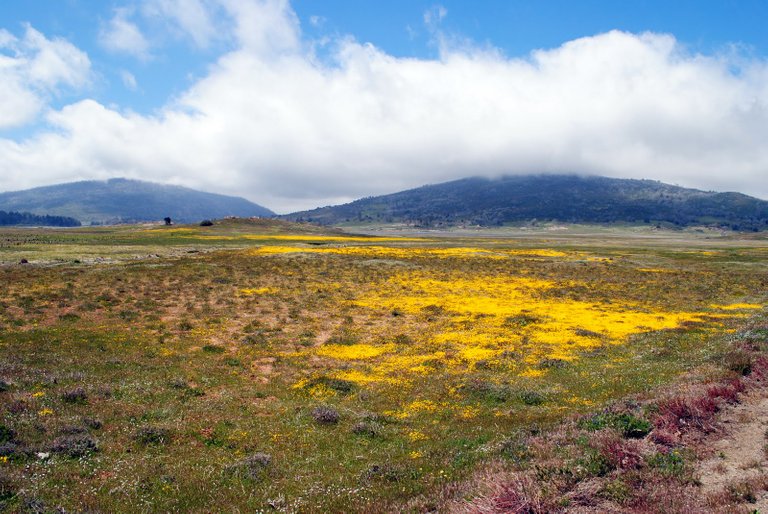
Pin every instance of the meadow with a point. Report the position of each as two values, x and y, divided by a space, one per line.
264 366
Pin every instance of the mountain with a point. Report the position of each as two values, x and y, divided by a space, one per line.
121 200
564 198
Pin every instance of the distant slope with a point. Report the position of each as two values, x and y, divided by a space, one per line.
565 198
125 201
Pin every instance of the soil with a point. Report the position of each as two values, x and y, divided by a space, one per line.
737 453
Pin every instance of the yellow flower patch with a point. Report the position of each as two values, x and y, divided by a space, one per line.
415 435
736 306
257 291
353 351
491 314
410 252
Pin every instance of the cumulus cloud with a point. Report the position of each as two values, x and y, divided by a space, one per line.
272 123
122 35
32 70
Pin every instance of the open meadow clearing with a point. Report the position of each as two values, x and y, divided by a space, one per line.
258 365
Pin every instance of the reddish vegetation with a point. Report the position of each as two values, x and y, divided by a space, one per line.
682 413
520 497
620 453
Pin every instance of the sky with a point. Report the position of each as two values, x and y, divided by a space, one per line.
304 103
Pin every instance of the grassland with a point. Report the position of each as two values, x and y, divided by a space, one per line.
257 366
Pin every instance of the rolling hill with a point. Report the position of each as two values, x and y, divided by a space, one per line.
564 198
126 201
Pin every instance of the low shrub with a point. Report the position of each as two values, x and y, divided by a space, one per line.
75 446
532 398
152 435
325 415
593 463
553 364
670 464
73 429
515 448
367 428
665 438
7 434
337 384
92 423
388 473
739 361
12 450
8 487
617 491
621 453
629 425
728 392
489 391
253 467
76 395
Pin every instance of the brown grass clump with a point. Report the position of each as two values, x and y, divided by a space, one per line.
519 496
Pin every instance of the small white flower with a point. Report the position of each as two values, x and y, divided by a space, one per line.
43 455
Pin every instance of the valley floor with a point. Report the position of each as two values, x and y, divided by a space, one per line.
261 365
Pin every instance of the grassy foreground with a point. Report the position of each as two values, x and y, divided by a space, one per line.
259 366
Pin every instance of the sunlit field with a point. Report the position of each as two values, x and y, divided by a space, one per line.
261 366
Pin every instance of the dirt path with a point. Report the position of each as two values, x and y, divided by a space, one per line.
739 456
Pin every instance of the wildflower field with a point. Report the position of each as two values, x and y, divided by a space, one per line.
263 366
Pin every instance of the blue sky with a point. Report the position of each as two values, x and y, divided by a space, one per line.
309 102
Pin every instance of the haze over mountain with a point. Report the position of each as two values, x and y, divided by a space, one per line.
124 201
565 198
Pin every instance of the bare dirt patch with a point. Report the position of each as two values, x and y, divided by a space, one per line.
739 451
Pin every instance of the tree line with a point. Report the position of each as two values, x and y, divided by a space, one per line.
27 218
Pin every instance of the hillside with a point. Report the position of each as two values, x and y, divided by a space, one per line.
565 198
124 201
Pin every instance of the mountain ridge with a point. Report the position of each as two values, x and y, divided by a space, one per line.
121 200
564 198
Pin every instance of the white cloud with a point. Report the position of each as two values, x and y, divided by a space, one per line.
193 18
271 123
32 70
268 28
121 35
